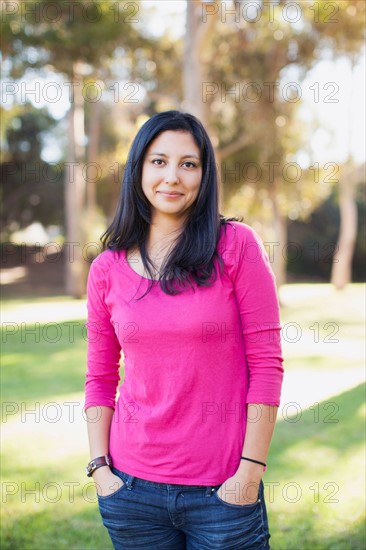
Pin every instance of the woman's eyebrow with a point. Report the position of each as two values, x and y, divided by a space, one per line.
193 155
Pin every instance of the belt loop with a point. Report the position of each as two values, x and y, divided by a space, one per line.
210 490
129 482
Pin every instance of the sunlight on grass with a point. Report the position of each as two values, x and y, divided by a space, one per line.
326 494
49 422
362 411
46 311
317 462
314 486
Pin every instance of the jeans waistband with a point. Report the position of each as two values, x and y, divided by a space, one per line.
130 480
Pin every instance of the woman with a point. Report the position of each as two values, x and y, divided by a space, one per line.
178 458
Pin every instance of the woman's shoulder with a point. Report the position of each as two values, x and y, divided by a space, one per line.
239 245
106 260
235 232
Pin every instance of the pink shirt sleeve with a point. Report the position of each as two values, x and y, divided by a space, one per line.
256 295
104 350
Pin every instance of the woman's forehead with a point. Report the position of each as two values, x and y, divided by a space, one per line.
171 140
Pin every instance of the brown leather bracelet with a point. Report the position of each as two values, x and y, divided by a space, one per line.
98 462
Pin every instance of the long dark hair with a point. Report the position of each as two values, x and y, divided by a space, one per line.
194 252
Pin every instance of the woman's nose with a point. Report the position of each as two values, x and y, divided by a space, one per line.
171 174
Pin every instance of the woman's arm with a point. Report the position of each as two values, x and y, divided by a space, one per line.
99 422
102 375
242 487
256 295
260 425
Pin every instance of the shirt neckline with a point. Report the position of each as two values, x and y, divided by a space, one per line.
129 267
135 272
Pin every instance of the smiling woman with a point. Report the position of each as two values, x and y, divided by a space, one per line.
171 179
177 461
172 239
174 172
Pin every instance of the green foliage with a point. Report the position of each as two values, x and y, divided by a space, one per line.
83 32
94 42
31 189
103 43
251 60
24 133
312 242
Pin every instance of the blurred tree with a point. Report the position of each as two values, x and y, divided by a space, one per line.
254 58
195 71
234 68
31 189
77 40
317 236
341 273
351 175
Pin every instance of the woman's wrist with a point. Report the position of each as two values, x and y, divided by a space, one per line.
250 470
101 473
255 461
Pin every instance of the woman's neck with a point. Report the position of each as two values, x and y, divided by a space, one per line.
162 235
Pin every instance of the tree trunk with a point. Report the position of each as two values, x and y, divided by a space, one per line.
277 247
194 72
93 149
75 194
342 261
193 67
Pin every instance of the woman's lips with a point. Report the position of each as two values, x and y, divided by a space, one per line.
170 195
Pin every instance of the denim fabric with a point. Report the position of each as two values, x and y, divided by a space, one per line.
149 515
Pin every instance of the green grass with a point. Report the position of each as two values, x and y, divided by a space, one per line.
36 367
314 485
318 465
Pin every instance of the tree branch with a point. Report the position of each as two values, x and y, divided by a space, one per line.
234 147
203 30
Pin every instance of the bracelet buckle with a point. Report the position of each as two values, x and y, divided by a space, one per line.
98 462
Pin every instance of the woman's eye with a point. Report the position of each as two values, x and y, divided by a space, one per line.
186 164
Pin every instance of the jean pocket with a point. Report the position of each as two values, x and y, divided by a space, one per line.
115 493
251 506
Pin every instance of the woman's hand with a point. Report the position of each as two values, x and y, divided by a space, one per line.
242 488
106 481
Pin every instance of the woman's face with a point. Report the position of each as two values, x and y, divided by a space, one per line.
171 174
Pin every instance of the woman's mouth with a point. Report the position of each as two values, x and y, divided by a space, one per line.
170 195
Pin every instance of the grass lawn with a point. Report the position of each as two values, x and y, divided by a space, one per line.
314 485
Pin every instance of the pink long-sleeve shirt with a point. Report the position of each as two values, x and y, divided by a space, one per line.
191 362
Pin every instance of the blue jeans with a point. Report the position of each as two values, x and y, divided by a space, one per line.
149 515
